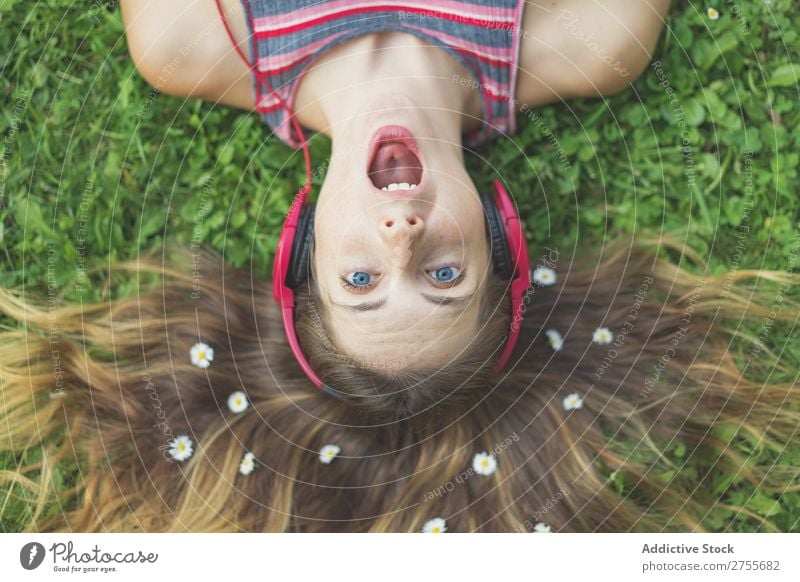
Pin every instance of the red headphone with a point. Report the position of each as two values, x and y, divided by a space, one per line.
291 267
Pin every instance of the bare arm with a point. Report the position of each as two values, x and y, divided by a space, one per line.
585 48
180 47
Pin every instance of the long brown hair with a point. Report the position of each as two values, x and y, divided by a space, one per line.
104 388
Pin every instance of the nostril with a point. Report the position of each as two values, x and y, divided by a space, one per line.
389 223
412 221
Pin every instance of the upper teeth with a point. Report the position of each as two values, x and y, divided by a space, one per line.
400 186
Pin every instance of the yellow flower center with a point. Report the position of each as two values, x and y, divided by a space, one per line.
181 447
201 355
485 463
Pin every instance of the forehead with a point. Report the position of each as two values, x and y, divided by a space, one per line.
429 336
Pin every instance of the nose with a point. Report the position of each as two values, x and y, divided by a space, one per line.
395 228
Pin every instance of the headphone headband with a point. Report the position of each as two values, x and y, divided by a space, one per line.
520 273
283 292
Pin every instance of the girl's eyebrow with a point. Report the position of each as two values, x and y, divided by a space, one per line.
440 300
375 305
365 306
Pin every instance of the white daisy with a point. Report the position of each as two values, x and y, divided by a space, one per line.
201 355
713 13
541 527
602 336
328 453
544 276
554 339
181 448
435 525
484 463
573 401
248 464
237 401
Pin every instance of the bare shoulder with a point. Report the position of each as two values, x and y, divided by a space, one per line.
574 48
181 47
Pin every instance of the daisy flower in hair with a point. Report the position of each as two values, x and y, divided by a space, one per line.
602 336
435 525
542 527
544 276
237 401
248 464
181 448
201 355
484 464
554 339
573 401
328 453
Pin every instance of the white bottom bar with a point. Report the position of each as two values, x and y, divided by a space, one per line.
332 557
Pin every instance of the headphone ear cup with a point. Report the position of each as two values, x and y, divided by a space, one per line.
301 248
501 257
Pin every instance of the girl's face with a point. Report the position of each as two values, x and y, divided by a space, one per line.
400 253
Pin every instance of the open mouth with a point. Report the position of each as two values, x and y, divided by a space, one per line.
395 163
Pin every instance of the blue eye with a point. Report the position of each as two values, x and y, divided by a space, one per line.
446 274
359 279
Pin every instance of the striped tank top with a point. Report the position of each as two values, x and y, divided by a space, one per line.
483 35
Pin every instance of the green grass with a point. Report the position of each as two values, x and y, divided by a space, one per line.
79 124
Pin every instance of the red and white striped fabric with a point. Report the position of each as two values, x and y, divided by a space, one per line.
287 35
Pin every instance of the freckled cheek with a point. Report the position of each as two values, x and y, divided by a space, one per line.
468 227
333 232
328 254
337 250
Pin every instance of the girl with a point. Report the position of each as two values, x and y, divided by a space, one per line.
185 406
396 219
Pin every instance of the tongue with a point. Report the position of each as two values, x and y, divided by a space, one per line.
394 163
